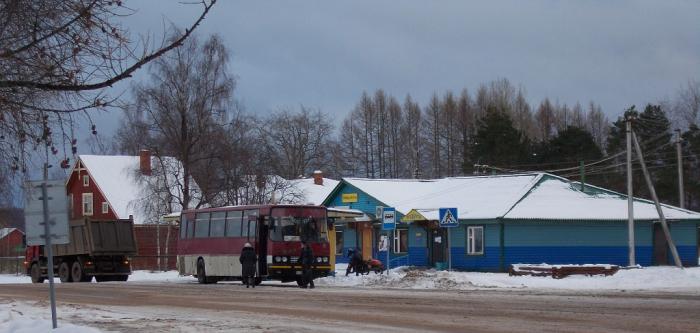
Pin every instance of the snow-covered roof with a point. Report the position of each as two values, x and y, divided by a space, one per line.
479 197
314 194
6 231
558 199
520 196
119 180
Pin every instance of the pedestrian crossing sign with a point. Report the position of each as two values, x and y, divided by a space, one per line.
448 217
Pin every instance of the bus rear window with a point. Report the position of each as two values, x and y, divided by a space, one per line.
201 226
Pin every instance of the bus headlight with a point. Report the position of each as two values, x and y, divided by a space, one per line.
318 259
284 259
278 259
325 259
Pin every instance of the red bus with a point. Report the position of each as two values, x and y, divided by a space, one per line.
211 240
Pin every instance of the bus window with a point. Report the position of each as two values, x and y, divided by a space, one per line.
247 216
201 226
190 228
183 227
252 229
218 224
293 228
233 223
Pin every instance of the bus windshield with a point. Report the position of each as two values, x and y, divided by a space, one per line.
298 224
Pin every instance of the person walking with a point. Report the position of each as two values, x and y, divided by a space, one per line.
248 261
306 259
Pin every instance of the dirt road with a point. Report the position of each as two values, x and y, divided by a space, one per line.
229 306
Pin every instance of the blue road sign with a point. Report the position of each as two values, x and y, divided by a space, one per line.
388 218
449 217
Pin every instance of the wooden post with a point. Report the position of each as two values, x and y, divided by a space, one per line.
630 195
664 225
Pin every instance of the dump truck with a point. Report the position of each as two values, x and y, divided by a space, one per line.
96 248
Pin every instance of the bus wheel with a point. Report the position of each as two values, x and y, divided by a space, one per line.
64 272
36 274
258 281
300 282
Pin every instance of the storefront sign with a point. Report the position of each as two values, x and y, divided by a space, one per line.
413 216
349 197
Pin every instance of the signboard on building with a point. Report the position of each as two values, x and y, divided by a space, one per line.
349 197
413 216
388 218
448 217
34 212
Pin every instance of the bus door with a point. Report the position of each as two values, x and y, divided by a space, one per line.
263 232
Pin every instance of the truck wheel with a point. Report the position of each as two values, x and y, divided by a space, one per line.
78 274
64 272
36 274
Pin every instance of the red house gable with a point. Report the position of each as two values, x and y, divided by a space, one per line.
81 188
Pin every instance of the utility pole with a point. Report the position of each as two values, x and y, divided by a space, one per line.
630 194
582 171
652 191
679 153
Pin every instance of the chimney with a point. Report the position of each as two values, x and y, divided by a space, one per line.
145 162
318 177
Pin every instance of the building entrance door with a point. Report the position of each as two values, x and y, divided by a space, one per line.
660 245
437 246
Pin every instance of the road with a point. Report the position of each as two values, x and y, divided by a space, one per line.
231 307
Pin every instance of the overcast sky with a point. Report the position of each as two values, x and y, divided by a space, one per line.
325 53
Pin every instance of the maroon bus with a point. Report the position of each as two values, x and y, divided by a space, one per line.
211 241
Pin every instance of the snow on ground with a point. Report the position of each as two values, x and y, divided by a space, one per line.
649 278
28 317
136 276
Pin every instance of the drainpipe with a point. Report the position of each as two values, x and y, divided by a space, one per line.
502 242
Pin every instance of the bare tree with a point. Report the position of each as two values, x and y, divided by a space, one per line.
687 104
58 59
297 140
183 107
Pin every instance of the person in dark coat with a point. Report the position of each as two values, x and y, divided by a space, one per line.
306 259
248 261
355 262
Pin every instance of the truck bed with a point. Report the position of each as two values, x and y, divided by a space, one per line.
99 237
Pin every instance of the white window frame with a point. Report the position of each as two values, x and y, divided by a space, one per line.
91 206
86 180
397 240
105 207
471 246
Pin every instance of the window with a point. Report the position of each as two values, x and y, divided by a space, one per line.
87 204
475 240
233 223
86 180
400 240
339 242
249 228
201 226
183 226
218 224
105 208
190 228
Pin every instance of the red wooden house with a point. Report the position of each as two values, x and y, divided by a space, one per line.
142 187
11 244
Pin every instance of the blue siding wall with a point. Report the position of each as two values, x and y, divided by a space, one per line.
685 235
489 261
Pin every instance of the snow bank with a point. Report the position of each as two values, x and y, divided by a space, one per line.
24 318
650 278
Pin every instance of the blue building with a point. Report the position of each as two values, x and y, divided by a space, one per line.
508 219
